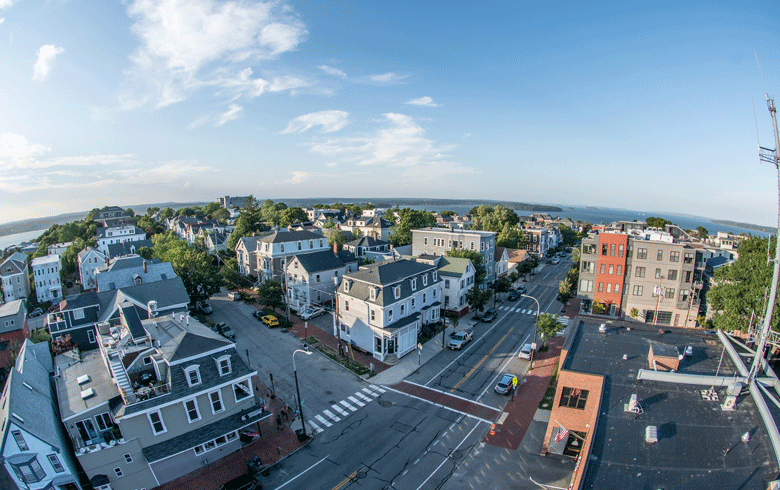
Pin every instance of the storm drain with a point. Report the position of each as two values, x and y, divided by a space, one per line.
385 403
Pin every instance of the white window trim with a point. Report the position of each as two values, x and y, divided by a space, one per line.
189 369
162 422
187 411
249 387
221 403
229 365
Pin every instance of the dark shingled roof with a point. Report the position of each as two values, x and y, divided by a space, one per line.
324 260
664 350
366 241
290 236
389 272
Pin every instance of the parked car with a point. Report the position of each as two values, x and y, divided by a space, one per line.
514 295
54 308
234 296
689 351
310 312
553 261
243 482
489 315
459 339
36 312
228 333
568 250
270 320
205 308
505 384
219 326
69 284
258 314
525 352
521 289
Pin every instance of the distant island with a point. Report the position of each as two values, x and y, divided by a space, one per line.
747 226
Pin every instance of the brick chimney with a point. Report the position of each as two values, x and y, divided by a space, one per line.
145 271
336 248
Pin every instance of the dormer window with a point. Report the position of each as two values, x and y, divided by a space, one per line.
414 284
281 245
373 293
397 291
347 285
299 245
425 280
192 374
435 275
223 365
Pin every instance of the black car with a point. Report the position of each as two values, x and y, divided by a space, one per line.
489 315
243 482
521 289
514 295
258 314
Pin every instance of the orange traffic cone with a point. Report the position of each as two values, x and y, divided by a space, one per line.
492 429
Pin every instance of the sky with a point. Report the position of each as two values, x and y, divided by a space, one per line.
645 106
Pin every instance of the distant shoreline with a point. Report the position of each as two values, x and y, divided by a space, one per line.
747 226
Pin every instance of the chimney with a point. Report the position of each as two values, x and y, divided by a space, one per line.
106 261
145 271
335 248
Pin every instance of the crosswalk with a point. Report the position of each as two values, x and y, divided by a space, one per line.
344 408
517 309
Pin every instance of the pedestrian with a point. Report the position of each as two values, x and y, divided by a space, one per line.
278 422
285 414
278 450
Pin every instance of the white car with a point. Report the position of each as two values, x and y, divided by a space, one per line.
459 339
689 351
234 296
309 313
525 352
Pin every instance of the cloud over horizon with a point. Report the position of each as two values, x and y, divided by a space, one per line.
329 121
46 55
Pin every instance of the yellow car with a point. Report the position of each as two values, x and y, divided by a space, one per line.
270 320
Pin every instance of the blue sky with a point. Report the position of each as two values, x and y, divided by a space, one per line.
618 104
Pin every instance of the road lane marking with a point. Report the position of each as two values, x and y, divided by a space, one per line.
439 405
377 388
454 396
448 457
362 396
356 401
331 416
481 360
349 407
506 363
323 420
348 479
370 392
302 472
337 408
316 428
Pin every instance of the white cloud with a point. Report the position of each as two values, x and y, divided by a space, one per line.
46 55
287 83
399 143
17 152
198 122
425 101
4 4
230 114
330 121
332 71
190 45
387 78
2 19
297 178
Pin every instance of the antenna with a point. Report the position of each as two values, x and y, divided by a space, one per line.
762 75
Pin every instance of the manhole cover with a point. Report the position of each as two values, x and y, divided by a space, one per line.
456 454
385 403
361 475
328 392
332 402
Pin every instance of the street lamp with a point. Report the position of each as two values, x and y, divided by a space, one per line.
536 323
306 351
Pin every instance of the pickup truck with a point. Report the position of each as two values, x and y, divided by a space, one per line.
459 339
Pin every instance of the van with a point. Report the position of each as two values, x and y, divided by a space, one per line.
525 352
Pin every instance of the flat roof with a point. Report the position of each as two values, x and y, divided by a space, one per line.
69 369
699 445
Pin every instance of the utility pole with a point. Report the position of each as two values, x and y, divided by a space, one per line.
770 156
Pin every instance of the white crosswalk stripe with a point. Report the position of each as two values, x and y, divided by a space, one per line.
339 410
331 415
363 397
370 392
350 407
356 402
314 427
323 421
380 390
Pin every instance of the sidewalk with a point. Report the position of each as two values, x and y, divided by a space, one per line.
271 446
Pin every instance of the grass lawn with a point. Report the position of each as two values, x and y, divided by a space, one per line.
348 363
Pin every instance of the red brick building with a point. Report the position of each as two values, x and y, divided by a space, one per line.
13 329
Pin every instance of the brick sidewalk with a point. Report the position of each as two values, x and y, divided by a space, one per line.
520 411
270 447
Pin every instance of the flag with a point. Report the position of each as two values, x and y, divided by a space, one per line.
575 392
562 433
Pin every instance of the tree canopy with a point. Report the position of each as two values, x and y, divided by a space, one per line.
271 294
197 270
657 222
493 218
739 290
478 299
410 219
480 273
548 326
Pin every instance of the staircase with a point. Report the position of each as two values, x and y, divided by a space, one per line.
120 375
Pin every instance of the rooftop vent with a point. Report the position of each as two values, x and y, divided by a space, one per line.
27 385
651 434
20 419
83 379
87 393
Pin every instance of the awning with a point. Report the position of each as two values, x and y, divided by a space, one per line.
558 440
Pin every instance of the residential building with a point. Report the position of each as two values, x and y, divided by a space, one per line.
373 226
215 240
132 270
611 382
34 447
246 255
541 239
648 271
502 262
127 248
437 241
457 276
15 277
118 234
312 277
79 315
13 328
366 244
111 216
160 398
90 259
275 249
320 214
232 201
58 248
382 307
46 278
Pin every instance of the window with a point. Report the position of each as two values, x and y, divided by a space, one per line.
641 253
241 390
619 270
611 249
104 421
128 458
299 246
586 286
435 275
118 472
397 291
684 295
29 472
311 243
658 273
611 269
414 284
669 293
390 315
638 290
425 280
620 250
424 298
402 310
609 287
617 288
446 283
19 438
216 402
191 407
412 301
674 256
223 364
640 272
91 336
604 249
281 247
688 276
574 398
425 241
603 269
193 375
158 427
688 258
601 287
78 314
54 461
346 306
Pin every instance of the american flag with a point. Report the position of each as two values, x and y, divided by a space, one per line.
575 392
562 433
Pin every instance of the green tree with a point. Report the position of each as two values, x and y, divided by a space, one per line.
657 222
702 232
221 214
634 313
329 223
503 285
510 236
357 233
480 272
200 276
493 218
40 335
230 275
410 219
92 214
564 290
738 290
249 221
548 326
151 210
334 235
271 294
293 215
166 213
478 299
597 308
570 237
130 212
